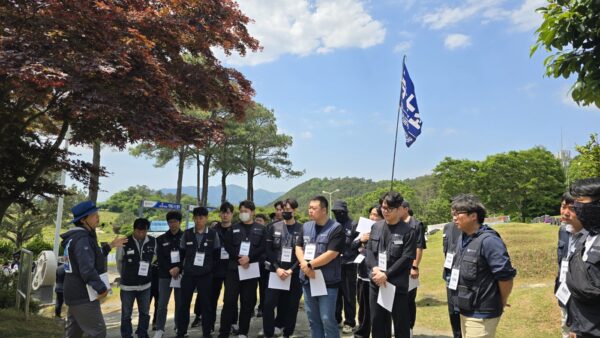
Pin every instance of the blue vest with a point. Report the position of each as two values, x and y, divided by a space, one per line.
332 272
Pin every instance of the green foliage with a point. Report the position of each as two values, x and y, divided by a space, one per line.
571 30
6 251
8 290
126 230
123 220
22 224
37 245
587 163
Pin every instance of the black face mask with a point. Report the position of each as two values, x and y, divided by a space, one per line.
341 217
287 215
589 215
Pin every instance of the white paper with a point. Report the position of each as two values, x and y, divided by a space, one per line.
564 268
199 259
224 253
386 295
286 255
252 271
563 293
317 285
92 293
175 257
359 258
364 225
245 248
143 270
276 283
449 260
175 282
453 284
413 283
309 251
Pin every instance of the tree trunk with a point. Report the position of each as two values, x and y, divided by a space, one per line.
181 164
198 178
223 187
205 172
95 172
250 185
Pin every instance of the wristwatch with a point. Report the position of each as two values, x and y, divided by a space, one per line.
309 265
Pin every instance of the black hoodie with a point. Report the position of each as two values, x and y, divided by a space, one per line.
86 261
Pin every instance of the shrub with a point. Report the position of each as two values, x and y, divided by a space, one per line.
37 245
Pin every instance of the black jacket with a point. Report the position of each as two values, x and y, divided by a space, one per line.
166 243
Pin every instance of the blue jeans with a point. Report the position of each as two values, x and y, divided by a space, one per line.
143 304
164 290
321 313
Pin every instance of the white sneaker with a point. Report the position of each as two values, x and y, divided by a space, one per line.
261 333
159 334
242 336
278 331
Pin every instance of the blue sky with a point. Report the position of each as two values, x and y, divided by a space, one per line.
331 72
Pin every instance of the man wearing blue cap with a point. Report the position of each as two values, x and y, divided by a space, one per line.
84 263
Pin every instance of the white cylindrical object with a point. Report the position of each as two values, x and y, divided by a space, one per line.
45 270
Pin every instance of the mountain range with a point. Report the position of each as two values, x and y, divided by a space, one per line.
235 194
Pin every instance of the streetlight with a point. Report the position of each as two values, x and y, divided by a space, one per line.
330 193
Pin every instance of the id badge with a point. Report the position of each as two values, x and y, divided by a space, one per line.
449 260
175 257
453 284
563 293
382 258
224 253
245 248
143 270
309 251
199 259
286 255
564 268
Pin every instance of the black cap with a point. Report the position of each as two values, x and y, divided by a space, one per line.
340 205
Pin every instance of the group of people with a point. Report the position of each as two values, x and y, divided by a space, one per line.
328 262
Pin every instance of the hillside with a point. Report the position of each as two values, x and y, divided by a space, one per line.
235 194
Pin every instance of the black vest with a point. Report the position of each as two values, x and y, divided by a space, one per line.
220 268
332 271
166 243
207 246
283 238
254 236
477 289
132 258
349 229
450 238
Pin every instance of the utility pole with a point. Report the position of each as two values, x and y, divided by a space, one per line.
330 205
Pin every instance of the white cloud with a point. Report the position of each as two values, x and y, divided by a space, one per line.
306 135
402 47
526 18
305 27
447 16
454 41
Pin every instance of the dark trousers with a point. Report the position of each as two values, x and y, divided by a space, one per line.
154 295
188 285
262 286
412 306
381 319
363 329
244 290
59 303
198 306
454 317
347 296
287 303
217 285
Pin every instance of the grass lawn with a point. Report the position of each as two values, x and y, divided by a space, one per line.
13 324
534 311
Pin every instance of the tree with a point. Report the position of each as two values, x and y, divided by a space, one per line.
114 71
22 224
571 28
95 172
224 161
259 149
587 163
457 177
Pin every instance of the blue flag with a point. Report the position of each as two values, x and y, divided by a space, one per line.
411 119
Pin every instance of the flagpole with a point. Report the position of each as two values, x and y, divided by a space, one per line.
397 124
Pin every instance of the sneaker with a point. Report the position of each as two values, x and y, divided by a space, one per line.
278 331
159 333
347 329
196 321
261 333
235 329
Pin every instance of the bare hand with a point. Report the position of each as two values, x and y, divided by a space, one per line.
380 278
572 335
364 237
118 242
174 272
375 270
304 266
310 273
414 274
283 274
244 261
102 295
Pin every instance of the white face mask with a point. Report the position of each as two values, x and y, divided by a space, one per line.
244 216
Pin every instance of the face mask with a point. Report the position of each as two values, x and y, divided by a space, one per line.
287 215
341 217
244 216
589 215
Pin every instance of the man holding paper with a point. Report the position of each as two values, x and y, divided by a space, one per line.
85 273
168 257
284 289
318 252
390 250
199 246
245 244
133 262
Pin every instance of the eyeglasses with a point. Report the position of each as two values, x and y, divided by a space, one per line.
456 213
388 209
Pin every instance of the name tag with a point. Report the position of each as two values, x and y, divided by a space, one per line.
245 248
449 260
286 255
143 270
382 258
359 259
189 243
166 244
277 233
175 257
563 293
564 267
224 253
309 251
130 252
199 259
453 285
398 241
235 231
